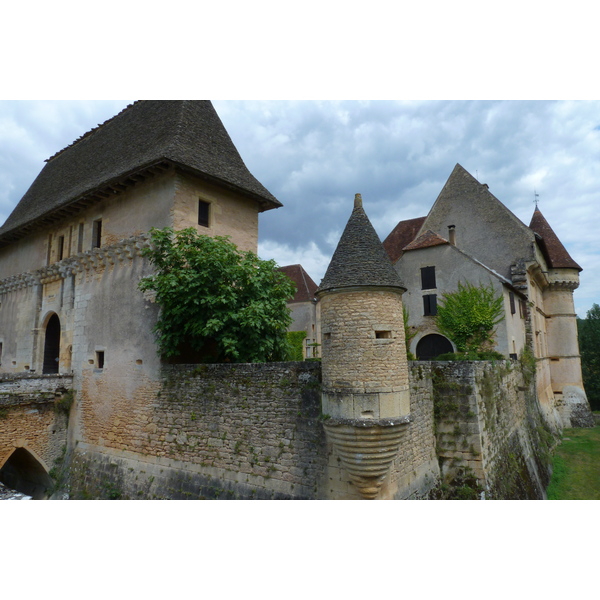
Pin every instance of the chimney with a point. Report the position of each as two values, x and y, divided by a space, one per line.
452 234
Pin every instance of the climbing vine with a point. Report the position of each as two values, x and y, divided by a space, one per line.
469 315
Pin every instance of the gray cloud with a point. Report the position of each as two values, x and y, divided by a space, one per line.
314 156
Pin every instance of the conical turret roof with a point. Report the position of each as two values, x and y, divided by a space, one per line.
555 253
360 259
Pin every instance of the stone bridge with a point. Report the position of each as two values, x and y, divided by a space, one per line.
33 429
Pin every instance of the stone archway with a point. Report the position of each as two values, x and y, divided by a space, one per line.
432 345
52 345
23 472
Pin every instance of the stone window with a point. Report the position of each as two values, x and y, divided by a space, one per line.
80 238
383 335
428 278
0 354
100 359
61 247
511 298
97 233
203 213
430 305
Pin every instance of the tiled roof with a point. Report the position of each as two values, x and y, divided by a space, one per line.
552 248
187 134
402 235
305 286
359 259
426 240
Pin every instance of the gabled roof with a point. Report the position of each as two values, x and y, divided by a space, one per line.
359 259
150 134
554 252
305 286
402 235
426 240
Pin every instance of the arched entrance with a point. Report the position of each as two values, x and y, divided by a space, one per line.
52 345
24 473
432 345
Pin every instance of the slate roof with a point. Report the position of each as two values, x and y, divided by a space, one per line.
426 240
552 248
187 134
402 235
360 259
305 286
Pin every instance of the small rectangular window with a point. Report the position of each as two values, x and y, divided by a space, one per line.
97 233
513 308
100 359
0 353
383 335
203 213
61 247
430 305
428 278
49 253
80 238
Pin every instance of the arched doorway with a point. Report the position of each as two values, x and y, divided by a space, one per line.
24 473
52 345
433 345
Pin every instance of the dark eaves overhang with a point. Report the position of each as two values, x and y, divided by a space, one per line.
116 186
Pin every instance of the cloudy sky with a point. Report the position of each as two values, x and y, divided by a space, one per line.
314 156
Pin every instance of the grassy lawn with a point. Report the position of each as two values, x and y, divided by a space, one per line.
576 466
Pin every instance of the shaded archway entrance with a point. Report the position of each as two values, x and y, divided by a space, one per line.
24 473
433 345
52 345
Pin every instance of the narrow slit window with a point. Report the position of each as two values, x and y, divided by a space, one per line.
430 305
80 238
49 254
97 233
100 359
61 247
203 213
428 278
513 308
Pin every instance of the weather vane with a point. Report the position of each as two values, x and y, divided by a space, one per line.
535 198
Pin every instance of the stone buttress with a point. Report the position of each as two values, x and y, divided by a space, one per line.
365 394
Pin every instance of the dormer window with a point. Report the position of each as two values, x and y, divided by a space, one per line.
203 213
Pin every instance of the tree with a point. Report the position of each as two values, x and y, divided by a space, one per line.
228 305
469 315
589 346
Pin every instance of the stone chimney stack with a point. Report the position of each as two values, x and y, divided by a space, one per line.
452 234
365 392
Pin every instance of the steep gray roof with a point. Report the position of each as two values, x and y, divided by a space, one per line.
360 259
187 134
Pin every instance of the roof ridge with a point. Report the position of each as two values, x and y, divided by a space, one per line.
90 132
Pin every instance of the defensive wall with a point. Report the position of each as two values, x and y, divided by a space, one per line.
255 431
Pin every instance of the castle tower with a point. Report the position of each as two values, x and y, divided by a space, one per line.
561 327
365 390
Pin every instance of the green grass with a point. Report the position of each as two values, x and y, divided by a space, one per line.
576 466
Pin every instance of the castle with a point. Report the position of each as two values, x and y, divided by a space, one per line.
82 385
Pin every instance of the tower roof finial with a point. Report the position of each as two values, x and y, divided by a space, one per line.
357 201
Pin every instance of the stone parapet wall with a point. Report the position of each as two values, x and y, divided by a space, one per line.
250 429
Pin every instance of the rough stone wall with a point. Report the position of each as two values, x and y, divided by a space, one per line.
352 356
489 423
213 431
28 418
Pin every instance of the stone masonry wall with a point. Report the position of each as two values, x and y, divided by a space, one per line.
28 418
211 431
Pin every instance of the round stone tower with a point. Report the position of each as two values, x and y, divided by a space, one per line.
365 393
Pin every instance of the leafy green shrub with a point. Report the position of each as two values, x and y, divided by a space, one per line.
295 339
469 315
226 305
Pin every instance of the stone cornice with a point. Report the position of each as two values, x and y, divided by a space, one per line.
122 251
